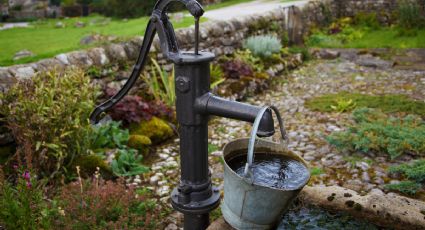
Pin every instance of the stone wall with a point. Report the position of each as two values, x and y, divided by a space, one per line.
219 37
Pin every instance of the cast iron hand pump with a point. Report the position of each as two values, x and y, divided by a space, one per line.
195 195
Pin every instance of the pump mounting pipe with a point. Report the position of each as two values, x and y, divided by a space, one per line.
195 196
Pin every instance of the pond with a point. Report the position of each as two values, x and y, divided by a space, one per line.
311 217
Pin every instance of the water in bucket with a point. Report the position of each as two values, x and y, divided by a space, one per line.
272 170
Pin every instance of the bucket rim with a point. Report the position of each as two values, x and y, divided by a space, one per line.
259 185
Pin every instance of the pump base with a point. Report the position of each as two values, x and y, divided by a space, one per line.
196 207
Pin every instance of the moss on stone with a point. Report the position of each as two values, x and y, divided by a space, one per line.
140 142
156 130
88 165
391 103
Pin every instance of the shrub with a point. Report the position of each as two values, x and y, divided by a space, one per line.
263 46
133 109
369 20
386 134
126 8
236 69
96 204
391 103
49 118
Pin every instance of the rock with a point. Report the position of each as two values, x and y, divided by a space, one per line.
370 61
156 129
362 165
23 72
359 78
63 58
80 24
154 180
80 59
87 40
60 25
327 54
98 55
116 52
376 191
365 177
22 54
139 141
171 227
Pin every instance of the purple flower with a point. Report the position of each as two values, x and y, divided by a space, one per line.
15 166
29 185
26 175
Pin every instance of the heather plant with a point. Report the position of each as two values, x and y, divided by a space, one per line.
378 132
98 204
49 119
263 46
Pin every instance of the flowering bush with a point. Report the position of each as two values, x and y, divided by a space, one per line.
22 204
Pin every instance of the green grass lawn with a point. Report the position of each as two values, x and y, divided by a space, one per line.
386 37
45 40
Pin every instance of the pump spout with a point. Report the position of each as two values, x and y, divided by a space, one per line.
213 105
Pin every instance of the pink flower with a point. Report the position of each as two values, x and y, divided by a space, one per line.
26 175
29 185
15 166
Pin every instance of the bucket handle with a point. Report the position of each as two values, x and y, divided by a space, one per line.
252 139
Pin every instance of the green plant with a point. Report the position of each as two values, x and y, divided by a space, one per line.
162 90
391 103
246 56
216 75
49 118
343 105
406 187
375 131
128 163
212 148
317 171
414 170
263 46
109 136
22 204
409 15
369 20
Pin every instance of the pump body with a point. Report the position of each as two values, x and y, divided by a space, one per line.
195 196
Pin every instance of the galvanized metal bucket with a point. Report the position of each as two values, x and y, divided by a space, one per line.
248 205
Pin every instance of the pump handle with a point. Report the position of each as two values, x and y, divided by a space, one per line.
158 23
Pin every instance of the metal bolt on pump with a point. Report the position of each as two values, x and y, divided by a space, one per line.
195 196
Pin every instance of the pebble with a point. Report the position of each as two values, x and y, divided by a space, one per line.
365 177
154 180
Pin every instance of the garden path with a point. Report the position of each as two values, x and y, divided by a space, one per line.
307 129
249 8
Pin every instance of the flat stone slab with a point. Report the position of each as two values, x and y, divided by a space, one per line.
220 224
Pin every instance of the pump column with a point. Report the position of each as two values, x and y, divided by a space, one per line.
194 197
